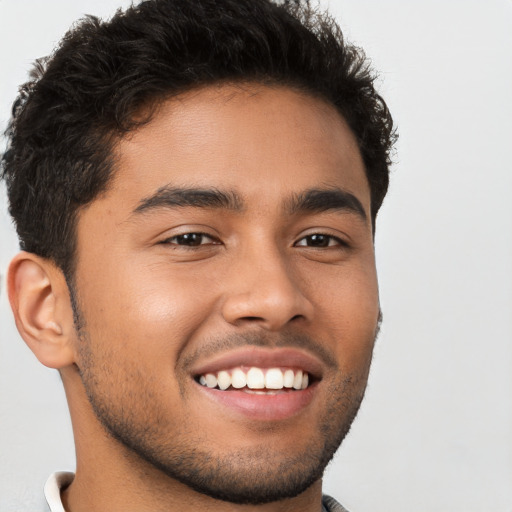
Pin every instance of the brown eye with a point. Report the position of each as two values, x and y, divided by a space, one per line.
191 240
319 241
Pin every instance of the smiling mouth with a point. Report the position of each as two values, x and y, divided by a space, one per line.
256 380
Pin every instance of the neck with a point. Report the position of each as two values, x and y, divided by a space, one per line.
108 492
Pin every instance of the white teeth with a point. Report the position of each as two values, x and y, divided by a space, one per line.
211 380
288 379
238 379
255 379
223 380
274 379
297 381
270 380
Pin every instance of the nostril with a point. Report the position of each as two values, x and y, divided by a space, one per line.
252 319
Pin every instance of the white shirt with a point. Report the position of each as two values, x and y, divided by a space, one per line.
52 488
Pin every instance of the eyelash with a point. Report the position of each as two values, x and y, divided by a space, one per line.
330 238
174 240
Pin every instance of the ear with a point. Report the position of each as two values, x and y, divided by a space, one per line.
40 300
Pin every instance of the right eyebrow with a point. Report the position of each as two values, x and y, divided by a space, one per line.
176 197
324 200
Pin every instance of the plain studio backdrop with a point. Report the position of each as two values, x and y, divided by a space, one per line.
435 429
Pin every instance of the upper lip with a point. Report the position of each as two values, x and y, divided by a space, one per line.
261 358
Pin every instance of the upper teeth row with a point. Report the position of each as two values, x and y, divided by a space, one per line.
256 378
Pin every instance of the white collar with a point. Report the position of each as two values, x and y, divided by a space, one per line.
52 488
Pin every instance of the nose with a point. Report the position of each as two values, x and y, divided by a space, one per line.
264 290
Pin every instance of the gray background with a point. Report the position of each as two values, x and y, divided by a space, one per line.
435 430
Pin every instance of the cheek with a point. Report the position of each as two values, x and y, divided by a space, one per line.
135 307
348 312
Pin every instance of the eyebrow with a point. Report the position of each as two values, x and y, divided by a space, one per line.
309 201
172 197
324 200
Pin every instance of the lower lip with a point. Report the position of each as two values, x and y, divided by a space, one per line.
264 407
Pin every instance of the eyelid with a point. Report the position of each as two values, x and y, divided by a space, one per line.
339 241
213 239
342 239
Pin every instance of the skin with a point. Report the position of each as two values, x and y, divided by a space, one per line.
154 307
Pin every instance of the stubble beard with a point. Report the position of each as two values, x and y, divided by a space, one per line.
245 476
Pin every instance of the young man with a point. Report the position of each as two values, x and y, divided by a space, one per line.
195 185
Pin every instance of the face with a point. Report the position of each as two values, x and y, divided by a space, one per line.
227 289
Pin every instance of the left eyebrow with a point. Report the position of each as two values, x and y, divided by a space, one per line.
176 197
324 200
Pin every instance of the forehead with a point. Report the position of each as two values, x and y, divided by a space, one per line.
256 140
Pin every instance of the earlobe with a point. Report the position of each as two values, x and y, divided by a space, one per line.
42 310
